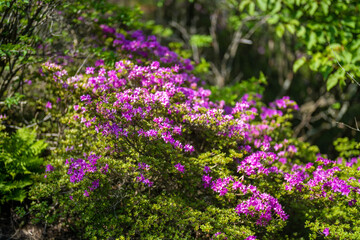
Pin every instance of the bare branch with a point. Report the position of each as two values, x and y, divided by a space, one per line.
187 37
181 29
31 125
218 77
212 30
83 64
348 126
226 63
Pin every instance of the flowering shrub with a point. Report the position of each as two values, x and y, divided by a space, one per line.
148 155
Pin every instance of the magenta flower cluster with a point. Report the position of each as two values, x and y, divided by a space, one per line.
78 168
146 47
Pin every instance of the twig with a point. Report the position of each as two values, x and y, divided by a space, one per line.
31 125
82 65
51 31
21 102
227 61
183 31
187 38
212 30
346 125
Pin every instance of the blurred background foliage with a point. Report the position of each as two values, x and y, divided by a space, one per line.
307 50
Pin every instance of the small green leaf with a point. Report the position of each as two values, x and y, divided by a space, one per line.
280 29
332 81
290 28
301 31
347 56
262 4
298 63
336 105
313 8
312 40
243 4
273 19
277 7
201 40
325 7
252 9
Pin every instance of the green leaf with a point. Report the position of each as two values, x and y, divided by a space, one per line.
347 56
290 28
313 6
262 4
325 7
252 9
273 19
14 100
201 40
301 31
312 40
298 63
243 4
336 105
277 7
280 29
332 81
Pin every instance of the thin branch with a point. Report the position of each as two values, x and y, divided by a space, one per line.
226 63
51 31
218 76
244 40
212 30
187 38
31 125
348 126
181 29
236 39
83 64
257 25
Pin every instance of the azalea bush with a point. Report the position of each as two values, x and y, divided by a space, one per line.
148 155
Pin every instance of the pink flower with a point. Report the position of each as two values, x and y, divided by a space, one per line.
49 168
180 167
48 105
99 63
250 238
89 70
86 194
207 169
326 232
352 202
154 65
29 82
